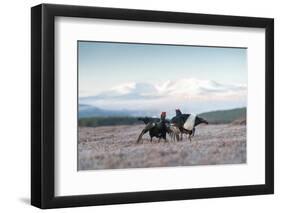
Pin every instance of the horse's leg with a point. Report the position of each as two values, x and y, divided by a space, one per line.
189 137
172 137
164 137
141 134
175 137
193 132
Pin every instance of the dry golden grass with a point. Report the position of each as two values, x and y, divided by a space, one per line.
115 147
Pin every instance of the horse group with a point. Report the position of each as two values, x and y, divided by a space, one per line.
181 124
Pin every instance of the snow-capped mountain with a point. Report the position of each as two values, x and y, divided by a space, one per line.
195 88
131 90
189 87
189 92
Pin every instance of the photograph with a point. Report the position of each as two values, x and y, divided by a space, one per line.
143 105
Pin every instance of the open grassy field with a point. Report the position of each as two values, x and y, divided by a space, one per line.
115 147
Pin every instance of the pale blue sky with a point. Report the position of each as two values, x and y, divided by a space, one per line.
154 77
103 65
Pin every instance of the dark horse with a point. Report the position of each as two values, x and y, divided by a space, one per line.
155 128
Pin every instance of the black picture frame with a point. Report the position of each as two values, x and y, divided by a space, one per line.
43 102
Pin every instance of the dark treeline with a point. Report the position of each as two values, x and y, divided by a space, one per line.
108 121
214 117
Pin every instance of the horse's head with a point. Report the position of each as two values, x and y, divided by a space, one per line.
144 119
178 112
200 120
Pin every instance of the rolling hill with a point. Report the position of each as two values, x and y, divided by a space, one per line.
225 116
92 111
87 111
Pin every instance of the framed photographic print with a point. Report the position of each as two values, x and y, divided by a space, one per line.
139 106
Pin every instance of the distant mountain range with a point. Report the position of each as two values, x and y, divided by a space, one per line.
92 111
